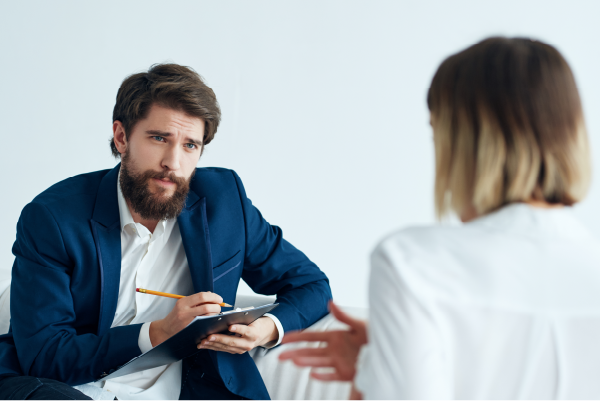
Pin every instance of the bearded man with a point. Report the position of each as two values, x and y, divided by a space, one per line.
154 221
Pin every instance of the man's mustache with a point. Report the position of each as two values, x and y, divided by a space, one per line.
165 175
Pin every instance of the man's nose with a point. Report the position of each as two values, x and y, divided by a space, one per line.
172 158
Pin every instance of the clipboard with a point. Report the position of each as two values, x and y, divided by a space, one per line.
183 344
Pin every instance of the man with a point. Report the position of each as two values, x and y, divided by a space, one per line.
154 221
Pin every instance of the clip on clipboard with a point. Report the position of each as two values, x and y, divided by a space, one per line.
183 344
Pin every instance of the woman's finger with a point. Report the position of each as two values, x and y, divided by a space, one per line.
303 352
314 361
327 376
307 336
343 317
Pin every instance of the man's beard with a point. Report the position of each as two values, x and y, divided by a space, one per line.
149 205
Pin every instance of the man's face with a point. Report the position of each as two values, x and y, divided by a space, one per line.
158 161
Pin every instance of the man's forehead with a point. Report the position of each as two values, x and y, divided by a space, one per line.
174 122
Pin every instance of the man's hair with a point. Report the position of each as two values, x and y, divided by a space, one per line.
508 127
168 85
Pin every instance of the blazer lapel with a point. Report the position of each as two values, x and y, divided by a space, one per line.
106 231
105 222
194 229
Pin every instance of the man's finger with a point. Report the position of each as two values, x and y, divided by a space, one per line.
307 336
230 341
222 348
205 309
241 329
303 352
219 346
202 298
341 316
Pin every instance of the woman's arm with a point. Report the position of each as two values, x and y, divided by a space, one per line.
355 394
406 358
341 350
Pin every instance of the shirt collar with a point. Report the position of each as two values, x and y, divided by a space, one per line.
524 218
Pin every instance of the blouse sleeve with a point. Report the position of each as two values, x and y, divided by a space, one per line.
405 358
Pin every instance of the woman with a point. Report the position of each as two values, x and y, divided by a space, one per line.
506 305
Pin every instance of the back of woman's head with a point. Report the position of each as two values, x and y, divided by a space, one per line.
508 127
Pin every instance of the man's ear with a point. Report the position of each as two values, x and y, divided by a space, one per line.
119 137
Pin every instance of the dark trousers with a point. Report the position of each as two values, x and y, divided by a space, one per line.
32 388
200 380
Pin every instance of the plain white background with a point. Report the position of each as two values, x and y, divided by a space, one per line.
324 111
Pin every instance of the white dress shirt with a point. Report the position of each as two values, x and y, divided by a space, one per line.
503 307
153 261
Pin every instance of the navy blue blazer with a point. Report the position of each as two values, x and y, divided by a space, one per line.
65 279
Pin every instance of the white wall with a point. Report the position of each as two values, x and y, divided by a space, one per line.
324 112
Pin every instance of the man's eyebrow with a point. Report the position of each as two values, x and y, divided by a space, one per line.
168 134
158 133
194 141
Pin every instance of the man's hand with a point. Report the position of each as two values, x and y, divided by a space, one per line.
185 310
260 332
340 353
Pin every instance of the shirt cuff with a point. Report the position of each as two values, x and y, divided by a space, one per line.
144 338
278 325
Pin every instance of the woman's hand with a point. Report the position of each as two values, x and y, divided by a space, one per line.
340 353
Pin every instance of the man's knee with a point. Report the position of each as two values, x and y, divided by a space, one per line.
32 388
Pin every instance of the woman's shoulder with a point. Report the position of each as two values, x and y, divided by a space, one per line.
481 260
422 252
428 239
495 232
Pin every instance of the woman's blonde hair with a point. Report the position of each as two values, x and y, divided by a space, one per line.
508 127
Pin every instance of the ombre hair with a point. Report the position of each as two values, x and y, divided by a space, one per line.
508 127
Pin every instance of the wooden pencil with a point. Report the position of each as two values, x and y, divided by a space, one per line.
165 294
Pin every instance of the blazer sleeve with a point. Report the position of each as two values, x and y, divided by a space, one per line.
274 266
42 310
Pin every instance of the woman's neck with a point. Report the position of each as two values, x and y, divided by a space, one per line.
543 204
470 213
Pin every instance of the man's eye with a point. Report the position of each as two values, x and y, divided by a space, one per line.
159 138
191 146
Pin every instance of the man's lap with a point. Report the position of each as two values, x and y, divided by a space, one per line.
201 380
32 388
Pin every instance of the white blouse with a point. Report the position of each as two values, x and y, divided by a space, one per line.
505 306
